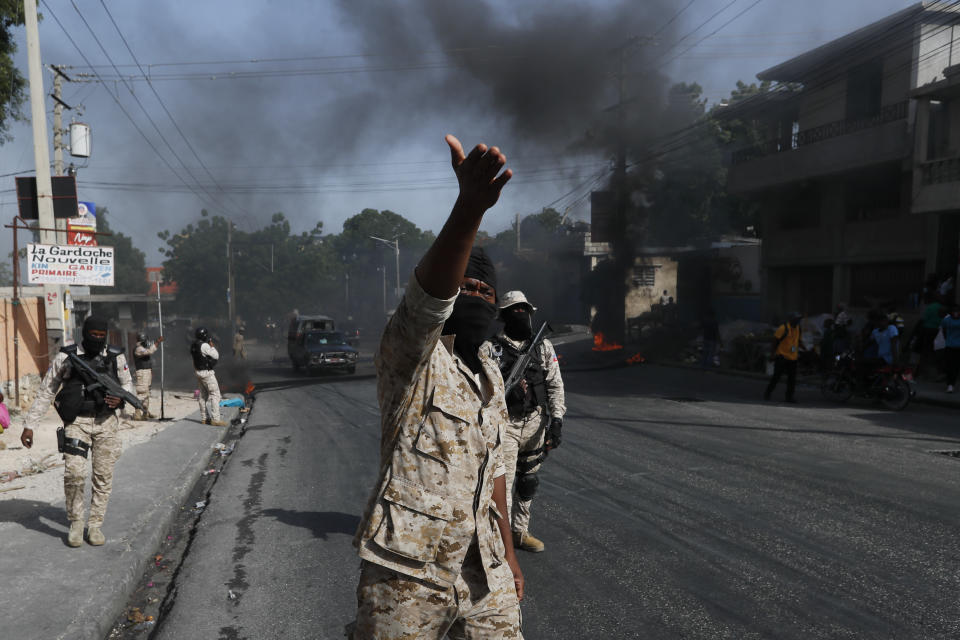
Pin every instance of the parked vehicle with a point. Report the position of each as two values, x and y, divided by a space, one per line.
301 325
892 385
323 351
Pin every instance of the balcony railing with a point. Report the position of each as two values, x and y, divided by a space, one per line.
889 113
940 171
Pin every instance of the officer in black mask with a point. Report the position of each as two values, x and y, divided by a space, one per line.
91 426
536 408
474 309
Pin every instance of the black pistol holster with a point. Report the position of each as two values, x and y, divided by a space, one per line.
61 437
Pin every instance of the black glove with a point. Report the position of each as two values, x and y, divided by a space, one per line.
553 433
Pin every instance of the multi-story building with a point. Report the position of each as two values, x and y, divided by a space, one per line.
857 166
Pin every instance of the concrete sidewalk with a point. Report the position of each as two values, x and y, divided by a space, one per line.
53 591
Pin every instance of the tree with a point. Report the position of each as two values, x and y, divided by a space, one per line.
130 270
12 84
197 262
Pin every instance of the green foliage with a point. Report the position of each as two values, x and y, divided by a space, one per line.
276 270
130 274
12 84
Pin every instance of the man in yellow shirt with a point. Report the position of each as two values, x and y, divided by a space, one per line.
786 348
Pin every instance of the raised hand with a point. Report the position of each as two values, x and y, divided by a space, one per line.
477 173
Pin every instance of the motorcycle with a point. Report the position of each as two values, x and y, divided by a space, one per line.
892 385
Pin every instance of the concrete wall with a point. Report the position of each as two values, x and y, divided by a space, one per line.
641 299
885 143
31 330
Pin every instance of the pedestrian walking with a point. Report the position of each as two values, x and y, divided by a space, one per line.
951 335
535 408
90 425
786 350
142 355
205 357
434 541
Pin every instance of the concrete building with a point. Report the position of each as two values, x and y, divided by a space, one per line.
857 166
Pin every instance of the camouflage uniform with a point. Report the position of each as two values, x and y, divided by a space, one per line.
100 432
144 375
433 559
525 434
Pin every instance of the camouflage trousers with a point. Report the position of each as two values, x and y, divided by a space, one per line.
523 443
209 392
144 380
393 606
104 440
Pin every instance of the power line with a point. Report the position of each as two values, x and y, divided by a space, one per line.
167 111
117 101
142 107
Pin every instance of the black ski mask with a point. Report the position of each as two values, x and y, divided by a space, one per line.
518 323
472 315
93 346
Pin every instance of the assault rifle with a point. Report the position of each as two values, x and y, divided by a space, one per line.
110 386
516 373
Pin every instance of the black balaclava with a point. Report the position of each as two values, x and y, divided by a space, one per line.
518 323
93 346
472 316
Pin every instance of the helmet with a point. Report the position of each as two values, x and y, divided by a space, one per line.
202 334
142 338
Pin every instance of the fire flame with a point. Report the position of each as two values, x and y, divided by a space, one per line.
600 345
249 388
636 359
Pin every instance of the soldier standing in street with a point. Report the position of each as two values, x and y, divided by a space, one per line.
91 426
536 408
144 365
205 357
239 347
437 554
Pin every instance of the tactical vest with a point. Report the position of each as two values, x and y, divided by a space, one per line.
142 362
519 403
201 362
74 398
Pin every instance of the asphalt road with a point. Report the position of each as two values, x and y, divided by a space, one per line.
679 506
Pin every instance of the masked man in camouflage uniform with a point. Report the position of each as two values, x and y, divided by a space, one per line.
536 408
94 429
142 361
437 554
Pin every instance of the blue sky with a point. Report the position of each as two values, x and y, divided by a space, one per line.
348 102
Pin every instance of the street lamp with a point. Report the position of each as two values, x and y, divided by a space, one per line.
395 243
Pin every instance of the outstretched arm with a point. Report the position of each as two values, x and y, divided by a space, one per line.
441 269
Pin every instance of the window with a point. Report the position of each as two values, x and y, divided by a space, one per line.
645 276
938 132
873 284
874 195
800 207
864 90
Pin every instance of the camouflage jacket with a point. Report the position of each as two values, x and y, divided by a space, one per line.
440 449
61 371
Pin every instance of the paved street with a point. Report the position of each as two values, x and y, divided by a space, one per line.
679 506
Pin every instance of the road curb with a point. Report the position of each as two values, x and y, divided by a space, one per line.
94 619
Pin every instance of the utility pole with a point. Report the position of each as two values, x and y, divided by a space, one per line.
52 294
58 106
518 232
231 291
395 244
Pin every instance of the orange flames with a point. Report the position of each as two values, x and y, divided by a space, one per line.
636 359
249 389
600 345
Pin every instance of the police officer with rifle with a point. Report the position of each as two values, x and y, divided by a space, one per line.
535 402
91 382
